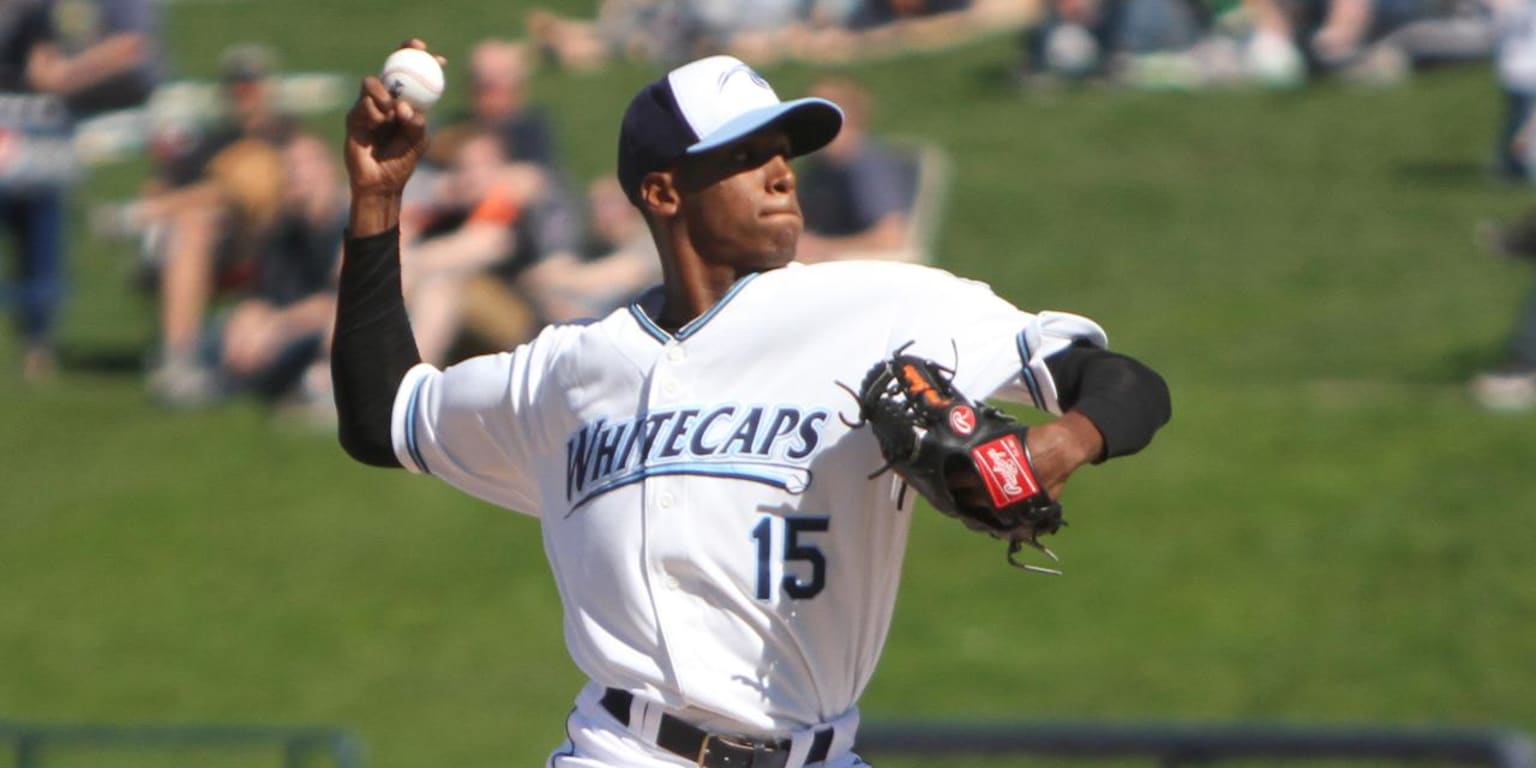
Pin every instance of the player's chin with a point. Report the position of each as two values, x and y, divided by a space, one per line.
783 237
769 258
781 253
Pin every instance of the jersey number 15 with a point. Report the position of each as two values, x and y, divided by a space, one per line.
794 551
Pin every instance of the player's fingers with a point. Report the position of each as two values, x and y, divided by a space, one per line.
376 90
418 44
373 105
411 120
373 114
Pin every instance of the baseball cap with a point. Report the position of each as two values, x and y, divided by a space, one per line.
705 105
245 62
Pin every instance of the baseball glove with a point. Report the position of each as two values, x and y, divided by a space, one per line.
933 437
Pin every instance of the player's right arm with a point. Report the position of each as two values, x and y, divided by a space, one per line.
469 425
373 346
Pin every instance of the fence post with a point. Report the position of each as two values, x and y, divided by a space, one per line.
29 750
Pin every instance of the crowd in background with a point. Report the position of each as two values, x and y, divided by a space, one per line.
238 229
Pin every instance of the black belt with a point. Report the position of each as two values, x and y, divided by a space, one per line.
713 750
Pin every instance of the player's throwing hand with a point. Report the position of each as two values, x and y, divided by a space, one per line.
385 138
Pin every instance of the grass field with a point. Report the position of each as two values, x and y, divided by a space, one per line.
1329 530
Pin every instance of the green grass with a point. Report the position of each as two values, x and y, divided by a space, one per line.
1329 531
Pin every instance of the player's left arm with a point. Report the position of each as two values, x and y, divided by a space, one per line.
1108 404
1122 397
1111 405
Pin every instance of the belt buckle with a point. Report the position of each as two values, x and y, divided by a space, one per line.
741 754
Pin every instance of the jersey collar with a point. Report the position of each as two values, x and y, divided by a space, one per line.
650 303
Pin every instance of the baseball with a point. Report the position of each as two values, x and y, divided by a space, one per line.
415 76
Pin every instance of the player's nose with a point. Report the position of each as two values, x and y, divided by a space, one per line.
781 177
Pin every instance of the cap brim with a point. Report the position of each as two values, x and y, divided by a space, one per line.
809 123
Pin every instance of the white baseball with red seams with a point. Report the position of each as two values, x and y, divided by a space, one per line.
413 75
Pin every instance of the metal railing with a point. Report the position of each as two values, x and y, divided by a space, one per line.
30 743
1185 744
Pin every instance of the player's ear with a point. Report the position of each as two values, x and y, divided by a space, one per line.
658 193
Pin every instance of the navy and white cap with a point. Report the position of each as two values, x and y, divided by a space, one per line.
707 104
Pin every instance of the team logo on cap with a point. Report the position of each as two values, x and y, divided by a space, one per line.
751 73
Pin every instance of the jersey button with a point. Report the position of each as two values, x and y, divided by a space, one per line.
676 354
665 501
669 388
672 582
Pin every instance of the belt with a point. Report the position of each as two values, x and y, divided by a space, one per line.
713 750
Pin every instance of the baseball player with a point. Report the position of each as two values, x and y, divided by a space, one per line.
726 564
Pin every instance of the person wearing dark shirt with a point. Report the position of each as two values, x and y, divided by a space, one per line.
280 330
59 61
106 55
216 197
499 101
547 232
857 193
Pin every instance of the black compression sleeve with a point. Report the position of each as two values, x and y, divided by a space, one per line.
373 346
1125 399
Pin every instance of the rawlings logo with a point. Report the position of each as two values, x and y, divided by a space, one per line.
962 419
1005 470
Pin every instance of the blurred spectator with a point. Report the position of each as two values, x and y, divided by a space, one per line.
468 227
633 30
875 13
721 26
92 56
273 341
468 280
504 209
618 262
1096 38
499 73
105 54
657 31
1269 42
870 28
247 73
857 193
1351 38
1511 385
1271 56
1166 43
551 224
262 316
845 30
217 195
1515 68
761 31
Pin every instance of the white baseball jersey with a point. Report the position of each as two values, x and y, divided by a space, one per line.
717 542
